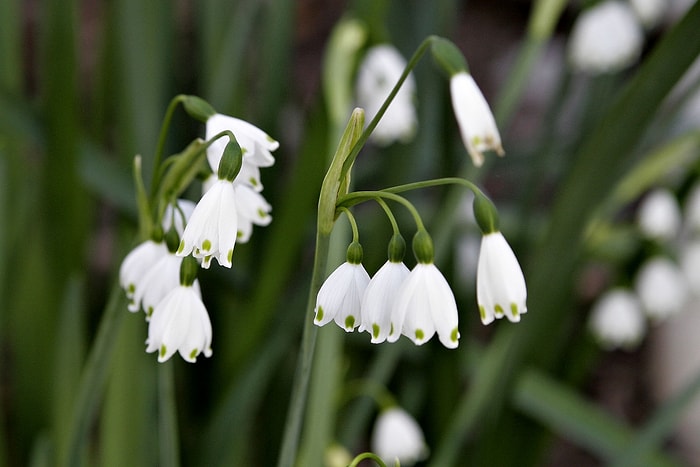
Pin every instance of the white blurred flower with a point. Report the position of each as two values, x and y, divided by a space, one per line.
476 123
378 300
425 304
161 277
180 323
605 38
378 73
617 319
136 265
661 287
397 436
689 259
500 284
649 12
659 216
213 226
340 297
180 216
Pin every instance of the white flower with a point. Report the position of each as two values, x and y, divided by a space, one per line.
661 287
476 123
255 144
605 38
425 304
136 265
378 73
649 12
500 284
397 435
340 296
161 277
181 215
180 323
617 319
659 216
378 300
213 226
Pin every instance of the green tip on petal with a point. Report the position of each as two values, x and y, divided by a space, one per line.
375 330
499 310
482 312
163 351
514 309
262 214
181 247
239 234
229 256
149 312
350 322
131 288
193 354
454 336
319 313
420 334
206 245
253 181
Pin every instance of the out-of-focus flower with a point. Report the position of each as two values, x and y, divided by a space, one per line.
476 123
161 277
691 211
379 71
378 300
500 284
689 259
425 303
397 436
340 296
136 264
659 216
661 287
649 12
180 323
605 38
617 319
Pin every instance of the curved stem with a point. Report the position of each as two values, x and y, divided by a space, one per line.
367 455
390 215
162 137
357 197
353 224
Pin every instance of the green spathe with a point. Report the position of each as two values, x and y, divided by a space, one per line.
448 56
198 108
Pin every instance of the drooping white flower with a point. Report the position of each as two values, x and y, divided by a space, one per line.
476 123
500 284
605 38
425 303
649 12
340 297
617 319
378 301
659 216
136 265
379 71
397 436
255 144
180 323
161 277
661 287
180 216
213 227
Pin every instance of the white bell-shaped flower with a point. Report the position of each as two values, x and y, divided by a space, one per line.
617 319
340 296
162 277
397 436
180 323
378 301
661 287
500 284
659 216
136 264
378 73
605 38
425 303
213 227
476 123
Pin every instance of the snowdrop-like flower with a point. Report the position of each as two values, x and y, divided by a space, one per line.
425 303
605 38
476 123
379 71
659 216
159 280
213 226
500 284
397 436
136 264
180 323
617 319
340 296
661 287
180 216
378 300
255 144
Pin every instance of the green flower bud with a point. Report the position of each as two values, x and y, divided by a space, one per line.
485 213
397 248
188 270
231 161
423 247
448 56
354 254
198 108
172 240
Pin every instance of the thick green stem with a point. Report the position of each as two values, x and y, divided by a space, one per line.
168 439
295 413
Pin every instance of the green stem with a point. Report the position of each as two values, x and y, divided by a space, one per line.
357 197
168 440
295 413
94 377
367 455
162 137
353 224
390 215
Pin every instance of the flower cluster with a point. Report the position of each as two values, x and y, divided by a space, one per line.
159 275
